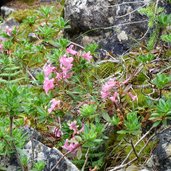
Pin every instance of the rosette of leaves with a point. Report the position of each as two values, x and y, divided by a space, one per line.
162 113
132 124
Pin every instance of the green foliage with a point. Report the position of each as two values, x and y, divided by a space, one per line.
145 58
151 12
91 133
166 38
164 19
161 80
10 71
13 99
83 116
162 113
132 124
91 47
7 142
39 166
88 111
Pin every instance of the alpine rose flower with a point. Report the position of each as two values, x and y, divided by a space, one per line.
48 84
1 47
105 92
71 146
66 62
48 69
55 104
73 126
57 132
87 56
115 97
8 30
70 50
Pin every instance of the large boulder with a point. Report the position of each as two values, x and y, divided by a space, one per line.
114 24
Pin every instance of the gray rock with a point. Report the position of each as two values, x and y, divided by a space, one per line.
161 156
117 24
6 11
49 155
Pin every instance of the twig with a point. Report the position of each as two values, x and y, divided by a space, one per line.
123 24
73 43
134 149
111 27
105 61
125 3
136 145
130 12
129 163
86 159
31 75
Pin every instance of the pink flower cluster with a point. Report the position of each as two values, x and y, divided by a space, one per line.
48 83
85 55
71 145
65 66
57 132
73 126
110 90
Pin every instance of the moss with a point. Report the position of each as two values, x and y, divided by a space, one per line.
21 15
27 1
105 70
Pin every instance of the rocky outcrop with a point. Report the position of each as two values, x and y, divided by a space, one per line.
161 156
50 156
114 24
6 11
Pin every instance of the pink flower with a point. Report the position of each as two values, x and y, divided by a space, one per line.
57 132
126 81
70 50
55 104
71 146
48 84
115 97
66 62
48 69
59 76
1 47
8 30
73 126
104 95
87 56
109 85
105 92
132 96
